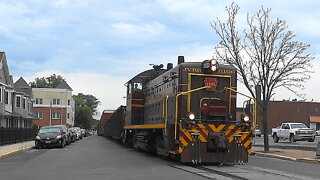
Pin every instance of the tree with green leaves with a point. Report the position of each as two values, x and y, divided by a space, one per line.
84 117
47 82
85 107
86 100
266 54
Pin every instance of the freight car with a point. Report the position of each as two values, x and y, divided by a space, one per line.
104 118
187 112
114 125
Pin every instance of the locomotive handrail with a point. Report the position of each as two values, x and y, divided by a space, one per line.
255 105
165 113
179 94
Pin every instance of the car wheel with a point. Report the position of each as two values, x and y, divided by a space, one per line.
291 138
275 138
69 141
37 146
63 142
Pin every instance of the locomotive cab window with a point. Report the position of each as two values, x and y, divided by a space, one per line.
137 84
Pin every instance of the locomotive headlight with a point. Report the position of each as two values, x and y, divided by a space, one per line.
209 66
214 65
246 118
191 116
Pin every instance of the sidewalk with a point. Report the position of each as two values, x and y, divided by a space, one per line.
287 154
14 148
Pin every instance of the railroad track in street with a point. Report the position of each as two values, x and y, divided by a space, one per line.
239 172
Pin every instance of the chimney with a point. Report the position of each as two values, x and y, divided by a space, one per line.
180 59
169 66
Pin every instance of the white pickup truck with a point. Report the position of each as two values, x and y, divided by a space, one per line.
294 132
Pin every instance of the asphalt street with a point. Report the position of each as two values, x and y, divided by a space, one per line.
92 158
97 157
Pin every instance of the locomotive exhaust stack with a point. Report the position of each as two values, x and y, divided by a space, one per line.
180 59
169 66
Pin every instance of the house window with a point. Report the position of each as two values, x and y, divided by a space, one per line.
38 101
18 102
316 110
24 103
69 102
39 115
56 102
68 115
6 97
55 115
0 94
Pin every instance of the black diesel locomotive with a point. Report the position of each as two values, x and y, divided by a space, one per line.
187 112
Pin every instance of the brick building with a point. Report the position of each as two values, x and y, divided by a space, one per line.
54 106
293 111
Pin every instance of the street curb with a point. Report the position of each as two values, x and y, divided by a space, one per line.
304 148
21 148
307 160
10 153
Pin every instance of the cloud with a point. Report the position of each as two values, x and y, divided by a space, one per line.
8 34
108 89
112 41
153 28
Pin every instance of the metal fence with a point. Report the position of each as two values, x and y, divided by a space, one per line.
16 135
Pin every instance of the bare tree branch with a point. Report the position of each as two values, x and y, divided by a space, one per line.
264 54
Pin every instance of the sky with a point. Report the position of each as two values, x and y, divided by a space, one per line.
98 45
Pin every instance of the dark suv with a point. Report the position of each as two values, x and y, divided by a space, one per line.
50 136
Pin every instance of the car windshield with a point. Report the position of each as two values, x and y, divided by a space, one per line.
295 126
64 128
49 130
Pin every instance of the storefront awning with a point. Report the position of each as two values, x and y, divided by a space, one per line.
314 119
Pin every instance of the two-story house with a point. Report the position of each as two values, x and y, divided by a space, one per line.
22 104
54 106
6 90
15 101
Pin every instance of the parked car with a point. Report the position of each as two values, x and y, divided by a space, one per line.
50 136
83 133
318 132
79 133
257 132
294 132
73 134
66 132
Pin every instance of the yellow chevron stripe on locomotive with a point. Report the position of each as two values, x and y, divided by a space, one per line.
238 134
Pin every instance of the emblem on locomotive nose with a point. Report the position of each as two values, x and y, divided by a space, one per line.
212 82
